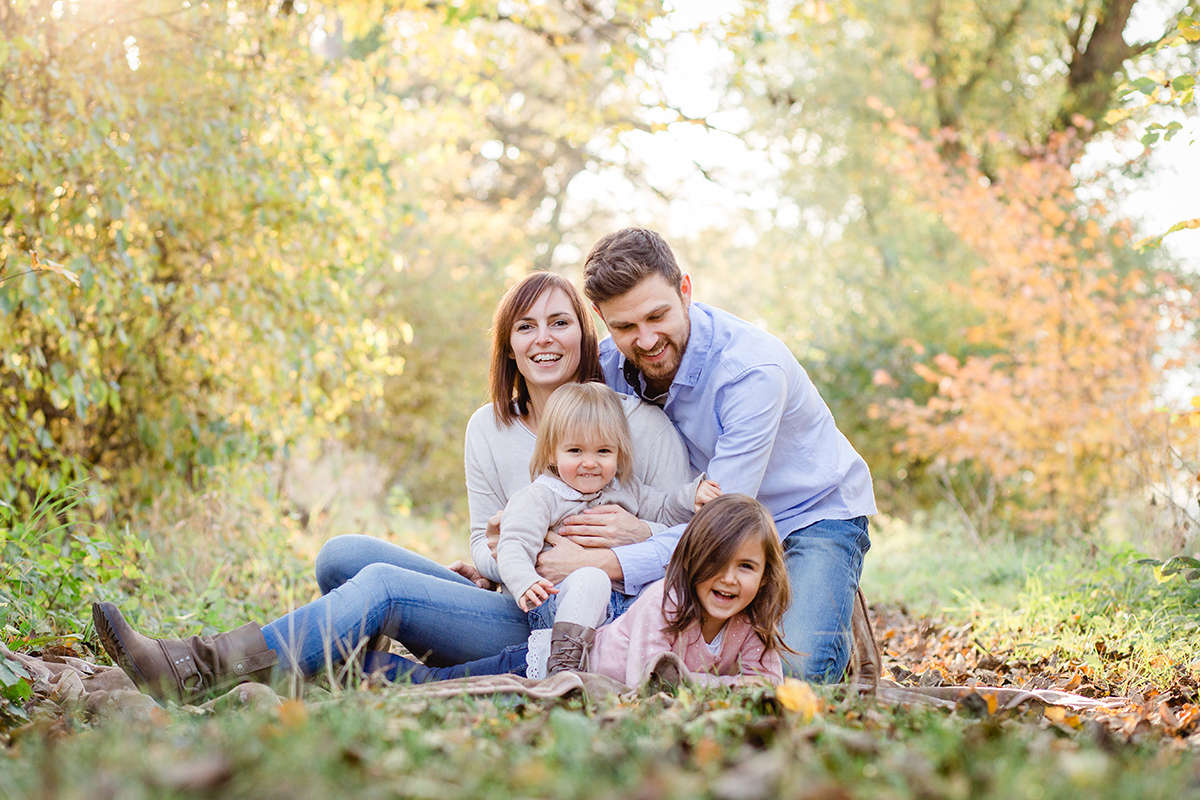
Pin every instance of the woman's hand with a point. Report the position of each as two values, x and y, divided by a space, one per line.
493 532
536 595
604 526
473 575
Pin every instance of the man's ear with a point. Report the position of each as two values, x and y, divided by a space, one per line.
685 290
599 313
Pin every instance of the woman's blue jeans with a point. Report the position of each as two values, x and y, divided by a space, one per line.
373 587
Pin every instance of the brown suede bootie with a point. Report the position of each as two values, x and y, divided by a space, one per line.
184 669
570 646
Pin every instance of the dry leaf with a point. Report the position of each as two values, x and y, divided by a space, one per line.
798 696
51 266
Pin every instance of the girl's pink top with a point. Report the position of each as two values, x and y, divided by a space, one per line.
624 648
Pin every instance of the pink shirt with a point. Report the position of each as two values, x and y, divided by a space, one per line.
624 648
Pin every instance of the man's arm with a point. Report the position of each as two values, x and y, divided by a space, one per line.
747 413
565 557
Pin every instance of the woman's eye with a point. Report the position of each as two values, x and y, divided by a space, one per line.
524 326
561 323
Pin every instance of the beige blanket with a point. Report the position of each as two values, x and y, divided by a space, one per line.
72 683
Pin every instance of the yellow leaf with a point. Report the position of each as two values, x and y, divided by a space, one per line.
51 266
798 696
1115 115
293 713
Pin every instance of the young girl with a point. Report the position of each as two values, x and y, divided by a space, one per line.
718 609
582 459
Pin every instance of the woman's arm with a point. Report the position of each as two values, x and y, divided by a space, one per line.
485 493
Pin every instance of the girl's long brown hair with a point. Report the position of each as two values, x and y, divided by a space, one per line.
709 542
507 384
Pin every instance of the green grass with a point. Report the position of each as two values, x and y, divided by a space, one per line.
708 744
214 560
928 564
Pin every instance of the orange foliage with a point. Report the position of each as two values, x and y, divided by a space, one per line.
1070 351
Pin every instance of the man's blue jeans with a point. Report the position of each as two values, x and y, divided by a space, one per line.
824 562
373 587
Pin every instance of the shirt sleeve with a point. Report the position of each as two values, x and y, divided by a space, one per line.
748 411
647 639
484 497
646 562
522 534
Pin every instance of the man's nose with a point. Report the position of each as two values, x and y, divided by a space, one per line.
647 339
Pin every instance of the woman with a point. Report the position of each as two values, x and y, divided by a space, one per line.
542 338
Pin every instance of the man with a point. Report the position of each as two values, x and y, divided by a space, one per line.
752 419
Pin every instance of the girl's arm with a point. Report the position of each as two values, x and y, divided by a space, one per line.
756 665
523 529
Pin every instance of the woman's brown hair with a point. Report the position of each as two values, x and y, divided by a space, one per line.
709 542
580 411
510 394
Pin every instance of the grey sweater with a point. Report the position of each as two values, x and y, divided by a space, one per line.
537 508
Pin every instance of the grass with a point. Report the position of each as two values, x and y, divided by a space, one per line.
216 559
708 744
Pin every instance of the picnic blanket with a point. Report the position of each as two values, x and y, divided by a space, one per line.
103 691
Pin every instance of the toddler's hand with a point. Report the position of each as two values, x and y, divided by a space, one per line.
705 491
536 595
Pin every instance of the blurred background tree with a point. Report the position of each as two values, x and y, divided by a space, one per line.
292 222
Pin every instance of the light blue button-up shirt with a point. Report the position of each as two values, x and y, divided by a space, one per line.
753 420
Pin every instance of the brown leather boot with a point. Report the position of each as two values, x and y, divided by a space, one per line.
570 646
184 669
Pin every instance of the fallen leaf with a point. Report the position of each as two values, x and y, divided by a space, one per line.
797 696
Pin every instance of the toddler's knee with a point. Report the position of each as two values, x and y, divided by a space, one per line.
590 579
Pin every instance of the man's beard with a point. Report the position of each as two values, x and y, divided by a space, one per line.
663 372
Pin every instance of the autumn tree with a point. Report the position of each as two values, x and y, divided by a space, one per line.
269 232
858 260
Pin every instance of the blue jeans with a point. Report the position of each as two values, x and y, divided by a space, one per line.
824 562
375 587
510 660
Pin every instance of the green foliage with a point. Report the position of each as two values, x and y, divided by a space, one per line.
256 198
15 690
1133 628
53 560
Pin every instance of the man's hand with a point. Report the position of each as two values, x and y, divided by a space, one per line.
493 531
564 557
604 526
473 575
536 594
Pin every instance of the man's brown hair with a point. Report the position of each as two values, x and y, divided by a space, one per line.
621 260
510 394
